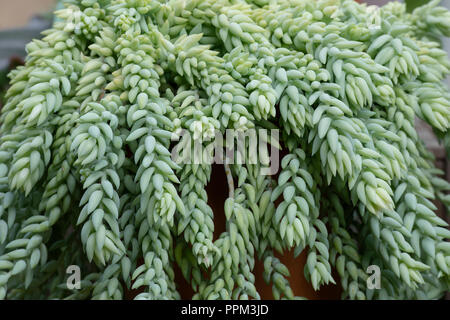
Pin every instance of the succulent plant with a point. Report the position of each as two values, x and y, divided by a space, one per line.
87 176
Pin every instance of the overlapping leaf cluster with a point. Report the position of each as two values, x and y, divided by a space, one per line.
87 177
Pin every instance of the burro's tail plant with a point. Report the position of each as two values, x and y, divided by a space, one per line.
88 179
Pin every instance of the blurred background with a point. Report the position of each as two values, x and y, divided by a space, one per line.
23 20
18 13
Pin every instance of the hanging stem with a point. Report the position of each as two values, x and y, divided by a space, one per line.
229 180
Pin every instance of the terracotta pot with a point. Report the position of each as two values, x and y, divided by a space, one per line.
217 191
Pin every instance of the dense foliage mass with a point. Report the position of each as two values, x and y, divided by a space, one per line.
86 176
